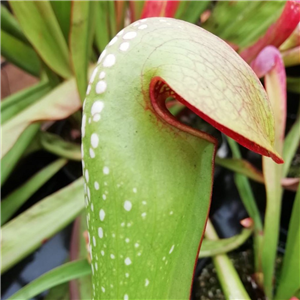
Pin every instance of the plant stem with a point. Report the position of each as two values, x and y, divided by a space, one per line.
230 281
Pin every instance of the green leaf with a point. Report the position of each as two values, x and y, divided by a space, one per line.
191 11
221 246
241 166
148 177
53 278
291 144
62 11
60 103
289 277
15 103
20 54
10 160
102 35
39 223
55 144
40 26
243 22
79 45
244 188
10 25
59 292
11 203
293 84
112 18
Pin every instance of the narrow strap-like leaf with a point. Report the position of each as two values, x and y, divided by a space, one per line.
55 144
39 223
289 282
112 18
59 104
215 247
10 160
15 103
59 275
291 144
10 25
62 11
40 26
79 42
102 30
20 54
11 203
191 11
246 194
241 166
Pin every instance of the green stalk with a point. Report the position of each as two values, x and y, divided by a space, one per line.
273 175
229 279
246 194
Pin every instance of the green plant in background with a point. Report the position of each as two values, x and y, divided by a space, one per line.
59 42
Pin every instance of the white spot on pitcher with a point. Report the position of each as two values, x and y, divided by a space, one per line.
127 205
129 35
109 61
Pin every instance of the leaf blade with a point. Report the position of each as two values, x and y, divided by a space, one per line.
79 47
40 26
55 144
12 105
62 11
10 25
221 246
59 275
289 281
242 167
11 203
20 54
58 104
10 160
61 208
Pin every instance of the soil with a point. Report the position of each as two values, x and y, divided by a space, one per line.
207 286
